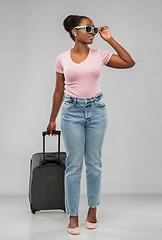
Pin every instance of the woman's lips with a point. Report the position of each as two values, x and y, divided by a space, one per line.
91 37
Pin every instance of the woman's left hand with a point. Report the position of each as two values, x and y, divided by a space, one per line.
105 33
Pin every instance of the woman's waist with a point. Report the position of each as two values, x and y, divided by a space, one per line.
83 100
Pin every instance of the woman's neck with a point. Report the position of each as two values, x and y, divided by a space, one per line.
80 48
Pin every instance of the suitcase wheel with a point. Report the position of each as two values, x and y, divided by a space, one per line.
33 210
64 209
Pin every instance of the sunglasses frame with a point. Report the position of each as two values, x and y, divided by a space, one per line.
92 28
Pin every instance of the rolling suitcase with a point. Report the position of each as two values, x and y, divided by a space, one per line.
46 182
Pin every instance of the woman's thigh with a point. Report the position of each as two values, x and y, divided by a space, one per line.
95 130
73 132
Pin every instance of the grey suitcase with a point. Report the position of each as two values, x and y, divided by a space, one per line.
46 182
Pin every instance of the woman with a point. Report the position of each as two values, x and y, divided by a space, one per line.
84 116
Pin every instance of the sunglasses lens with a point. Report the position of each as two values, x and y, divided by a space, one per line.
95 30
88 29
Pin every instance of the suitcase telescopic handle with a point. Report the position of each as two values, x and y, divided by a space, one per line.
53 132
48 133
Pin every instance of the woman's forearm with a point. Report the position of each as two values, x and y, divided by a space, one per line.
57 101
120 50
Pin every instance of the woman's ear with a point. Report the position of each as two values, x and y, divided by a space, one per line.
74 32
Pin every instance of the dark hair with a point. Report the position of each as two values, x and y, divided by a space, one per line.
72 21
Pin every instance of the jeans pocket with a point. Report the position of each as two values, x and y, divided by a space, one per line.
67 104
101 102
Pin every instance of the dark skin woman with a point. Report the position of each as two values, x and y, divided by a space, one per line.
78 54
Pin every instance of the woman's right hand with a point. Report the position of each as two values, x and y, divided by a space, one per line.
51 126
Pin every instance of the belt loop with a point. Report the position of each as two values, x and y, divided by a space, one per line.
94 99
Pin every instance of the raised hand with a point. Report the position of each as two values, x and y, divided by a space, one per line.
105 33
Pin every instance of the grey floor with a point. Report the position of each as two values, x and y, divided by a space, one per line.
120 217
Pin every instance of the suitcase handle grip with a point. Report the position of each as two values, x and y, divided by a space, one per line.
48 133
53 132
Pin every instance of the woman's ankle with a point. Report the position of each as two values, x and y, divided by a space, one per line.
74 217
73 221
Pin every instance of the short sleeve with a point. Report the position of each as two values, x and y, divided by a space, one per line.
58 65
105 56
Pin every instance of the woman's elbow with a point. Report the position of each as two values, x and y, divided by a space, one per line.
131 64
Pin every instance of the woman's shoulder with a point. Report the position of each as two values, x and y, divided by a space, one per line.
98 50
101 54
93 50
63 54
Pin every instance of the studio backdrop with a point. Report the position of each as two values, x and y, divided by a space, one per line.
31 38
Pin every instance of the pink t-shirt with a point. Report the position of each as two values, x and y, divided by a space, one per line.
82 80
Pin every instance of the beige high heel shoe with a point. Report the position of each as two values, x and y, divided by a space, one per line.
90 225
74 231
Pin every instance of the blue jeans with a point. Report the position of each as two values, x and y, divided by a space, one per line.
83 126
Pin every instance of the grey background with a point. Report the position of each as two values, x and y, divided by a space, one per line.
31 37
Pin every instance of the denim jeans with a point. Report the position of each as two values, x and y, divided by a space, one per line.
83 126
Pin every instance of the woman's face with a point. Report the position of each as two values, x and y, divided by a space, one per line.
81 34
